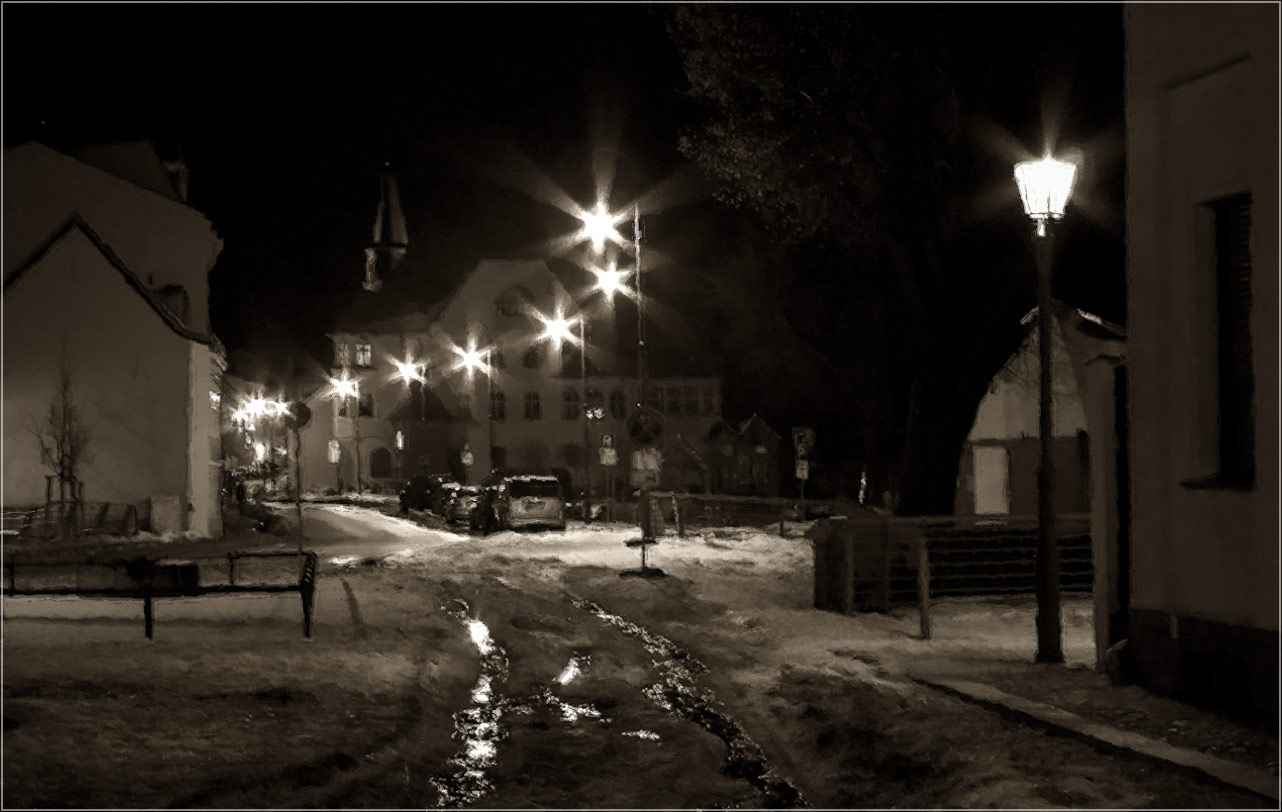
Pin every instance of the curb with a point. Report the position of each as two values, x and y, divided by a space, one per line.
1234 774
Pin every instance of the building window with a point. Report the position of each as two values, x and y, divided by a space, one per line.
1235 353
366 405
570 405
342 354
364 355
342 407
510 303
498 405
672 401
654 398
573 455
618 404
496 359
533 409
533 358
690 400
594 403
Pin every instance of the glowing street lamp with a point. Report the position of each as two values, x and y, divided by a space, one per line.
610 280
1044 187
598 226
473 361
557 330
347 388
408 370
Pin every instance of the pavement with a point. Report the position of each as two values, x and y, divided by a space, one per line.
1058 716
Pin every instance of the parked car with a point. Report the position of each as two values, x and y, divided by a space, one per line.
420 490
458 508
483 520
439 501
530 501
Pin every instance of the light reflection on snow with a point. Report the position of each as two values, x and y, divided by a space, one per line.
481 636
573 668
343 560
650 735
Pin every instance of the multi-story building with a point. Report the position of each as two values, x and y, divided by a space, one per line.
106 275
472 385
1202 349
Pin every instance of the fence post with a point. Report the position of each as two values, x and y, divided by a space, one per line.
923 587
148 618
848 573
681 519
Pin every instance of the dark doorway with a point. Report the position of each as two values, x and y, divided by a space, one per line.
380 463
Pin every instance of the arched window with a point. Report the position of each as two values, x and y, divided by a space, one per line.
533 357
618 404
380 463
570 405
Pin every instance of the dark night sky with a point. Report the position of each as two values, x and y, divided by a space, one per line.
286 114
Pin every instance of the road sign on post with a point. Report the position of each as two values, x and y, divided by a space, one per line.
803 469
465 456
645 428
803 438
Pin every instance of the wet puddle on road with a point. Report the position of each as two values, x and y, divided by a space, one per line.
480 727
678 694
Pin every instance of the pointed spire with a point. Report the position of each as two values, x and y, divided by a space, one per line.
390 238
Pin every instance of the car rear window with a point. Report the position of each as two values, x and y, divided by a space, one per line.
534 487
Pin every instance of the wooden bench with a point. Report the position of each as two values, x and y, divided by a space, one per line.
149 580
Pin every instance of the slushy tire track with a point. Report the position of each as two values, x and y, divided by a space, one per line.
679 694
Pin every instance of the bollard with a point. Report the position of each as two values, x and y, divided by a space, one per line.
923 588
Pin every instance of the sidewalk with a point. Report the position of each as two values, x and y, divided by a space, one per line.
1081 703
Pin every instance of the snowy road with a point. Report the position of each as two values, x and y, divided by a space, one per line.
519 670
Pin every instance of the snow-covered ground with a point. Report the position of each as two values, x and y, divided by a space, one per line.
433 646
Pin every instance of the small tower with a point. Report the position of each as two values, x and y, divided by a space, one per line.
391 239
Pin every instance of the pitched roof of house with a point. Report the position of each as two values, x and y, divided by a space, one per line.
76 222
755 428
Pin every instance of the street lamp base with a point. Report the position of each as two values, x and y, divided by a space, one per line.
644 572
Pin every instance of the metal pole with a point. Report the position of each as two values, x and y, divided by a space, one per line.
643 507
489 396
1049 648
587 449
356 432
298 484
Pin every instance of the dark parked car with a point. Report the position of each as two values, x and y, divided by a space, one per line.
420 490
458 508
483 519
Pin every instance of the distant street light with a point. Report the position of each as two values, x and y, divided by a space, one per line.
610 280
473 360
346 389
557 329
1044 187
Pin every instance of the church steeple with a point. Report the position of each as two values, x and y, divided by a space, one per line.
391 239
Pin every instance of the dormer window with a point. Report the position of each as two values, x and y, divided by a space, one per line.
342 354
364 355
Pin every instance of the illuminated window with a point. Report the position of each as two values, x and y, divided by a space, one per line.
570 405
400 441
618 404
364 355
594 403
533 409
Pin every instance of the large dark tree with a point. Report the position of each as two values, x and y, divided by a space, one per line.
852 131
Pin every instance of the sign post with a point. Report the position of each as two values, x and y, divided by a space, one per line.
803 440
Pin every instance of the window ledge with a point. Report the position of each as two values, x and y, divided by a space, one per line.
1217 482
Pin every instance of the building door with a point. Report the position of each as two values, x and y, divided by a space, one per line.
992 480
380 463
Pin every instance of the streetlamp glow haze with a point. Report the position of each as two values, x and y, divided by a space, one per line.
408 370
558 328
598 226
471 359
344 387
610 280
1044 187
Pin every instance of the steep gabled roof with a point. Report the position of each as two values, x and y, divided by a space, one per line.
76 222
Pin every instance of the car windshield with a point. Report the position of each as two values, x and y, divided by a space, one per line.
534 487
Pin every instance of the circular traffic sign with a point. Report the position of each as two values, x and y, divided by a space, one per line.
645 427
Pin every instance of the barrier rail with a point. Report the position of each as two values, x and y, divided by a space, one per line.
149 580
